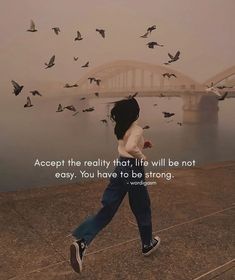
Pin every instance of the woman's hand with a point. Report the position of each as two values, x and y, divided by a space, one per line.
147 144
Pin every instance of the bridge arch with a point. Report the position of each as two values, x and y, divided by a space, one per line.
221 76
130 75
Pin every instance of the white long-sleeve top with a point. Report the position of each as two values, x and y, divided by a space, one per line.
132 143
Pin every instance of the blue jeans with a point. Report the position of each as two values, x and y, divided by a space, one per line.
113 195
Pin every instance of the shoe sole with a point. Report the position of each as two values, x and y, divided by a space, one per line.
75 259
154 248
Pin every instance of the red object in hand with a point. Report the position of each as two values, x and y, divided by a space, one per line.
147 144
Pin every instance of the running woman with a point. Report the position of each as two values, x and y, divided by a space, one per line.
130 144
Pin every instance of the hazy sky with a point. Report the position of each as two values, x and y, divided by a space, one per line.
203 30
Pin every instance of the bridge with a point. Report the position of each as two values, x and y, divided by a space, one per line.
126 76
222 76
123 77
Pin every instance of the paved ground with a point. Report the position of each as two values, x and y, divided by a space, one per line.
193 215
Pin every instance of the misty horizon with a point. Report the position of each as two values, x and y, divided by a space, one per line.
206 42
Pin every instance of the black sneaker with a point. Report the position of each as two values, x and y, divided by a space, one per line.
147 250
77 251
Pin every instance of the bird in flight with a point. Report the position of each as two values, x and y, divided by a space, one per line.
75 113
101 32
85 65
132 95
89 109
223 96
70 86
146 127
51 62
151 28
222 87
17 88
35 92
174 58
56 30
70 108
168 75
75 58
32 27
98 81
28 104
82 98
60 108
96 94
104 121
179 123
151 45
79 37
213 90
91 79
145 35
168 115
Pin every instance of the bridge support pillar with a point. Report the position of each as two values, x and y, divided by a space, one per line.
142 78
200 109
151 80
133 78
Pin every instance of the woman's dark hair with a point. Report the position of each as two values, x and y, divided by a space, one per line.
124 113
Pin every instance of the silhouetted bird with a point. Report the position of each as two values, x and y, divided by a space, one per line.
174 57
70 86
60 108
28 104
35 92
133 95
104 121
79 37
223 96
98 81
146 127
91 79
222 87
56 30
145 35
96 94
155 104
17 88
32 27
151 28
214 90
169 75
168 115
101 31
82 98
151 45
70 108
85 65
179 123
75 113
89 109
51 62
75 58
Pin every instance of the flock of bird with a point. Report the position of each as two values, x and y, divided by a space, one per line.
51 63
